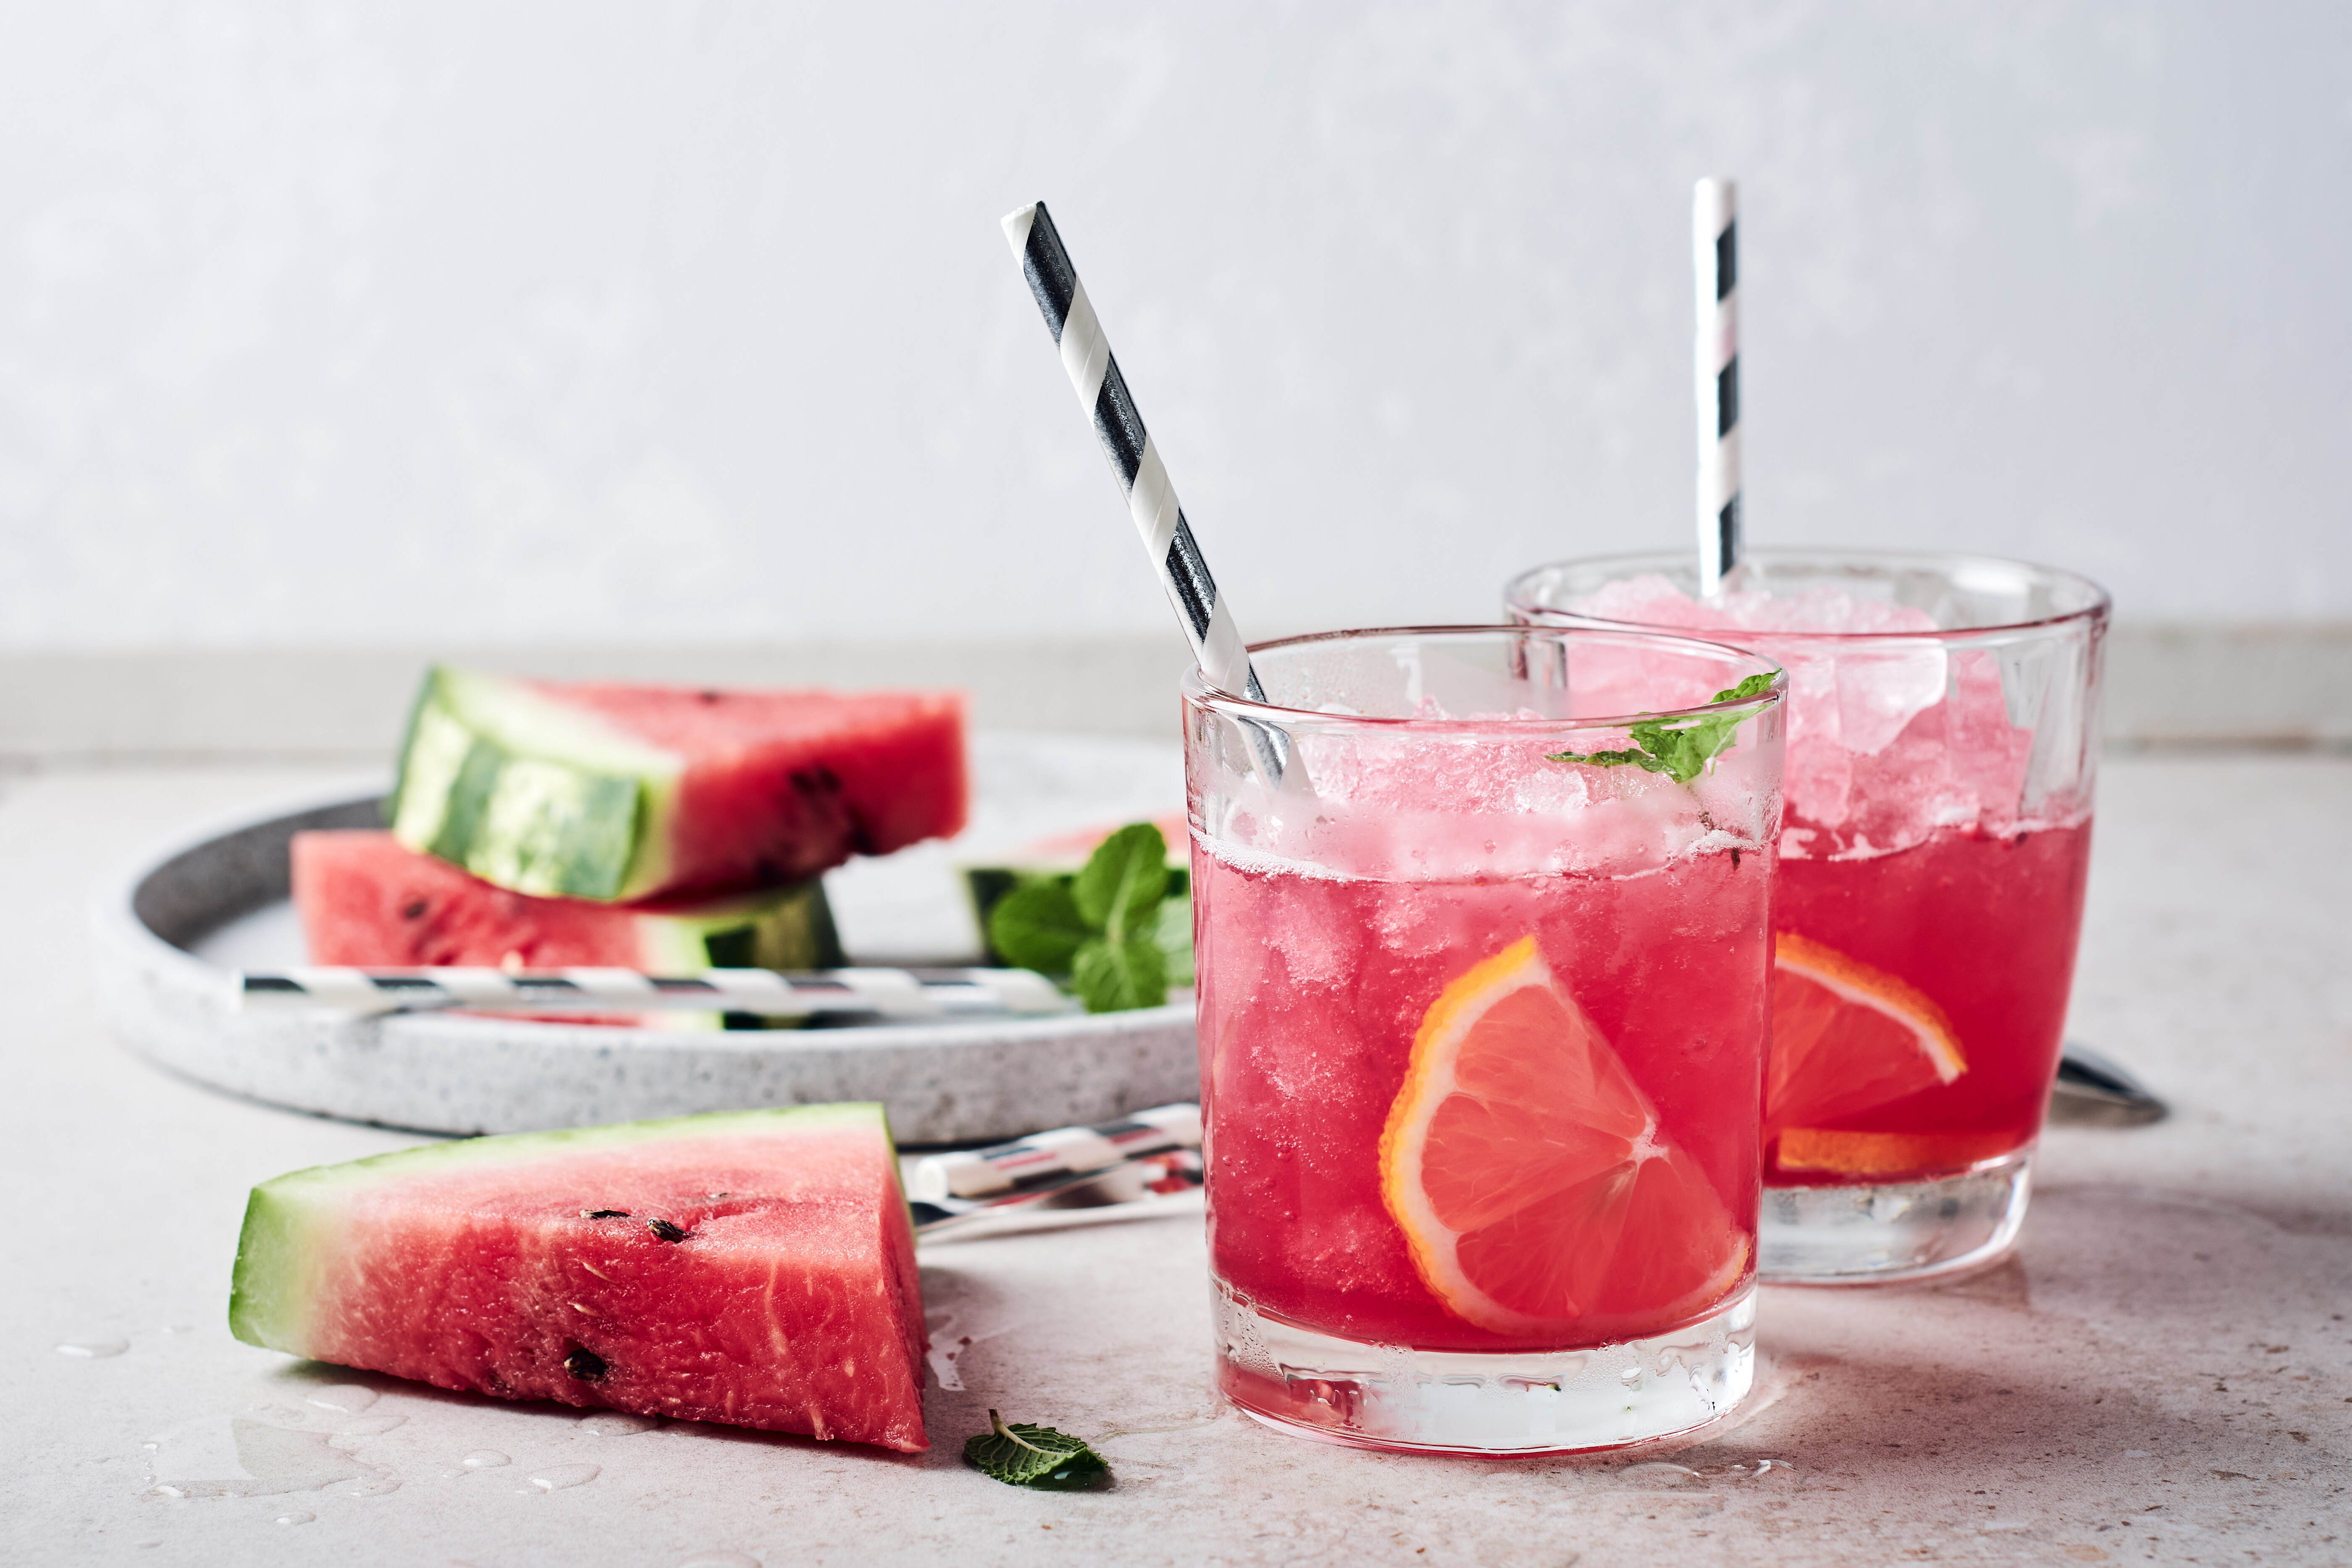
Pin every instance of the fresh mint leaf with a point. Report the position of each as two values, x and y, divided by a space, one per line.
1679 748
1039 1458
1116 976
1124 880
1037 926
1118 932
1175 937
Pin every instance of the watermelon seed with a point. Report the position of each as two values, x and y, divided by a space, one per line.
603 1214
665 1231
585 1364
415 910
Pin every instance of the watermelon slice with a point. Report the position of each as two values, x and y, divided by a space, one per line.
627 793
755 1267
366 900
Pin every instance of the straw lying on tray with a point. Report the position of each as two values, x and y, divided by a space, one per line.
774 993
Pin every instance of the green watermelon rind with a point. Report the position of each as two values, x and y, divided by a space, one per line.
787 927
270 1287
530 794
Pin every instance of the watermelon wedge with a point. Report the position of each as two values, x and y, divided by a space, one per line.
754 1268
367 901
629 792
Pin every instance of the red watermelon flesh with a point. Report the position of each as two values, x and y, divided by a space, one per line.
368 901
779 1289
779 785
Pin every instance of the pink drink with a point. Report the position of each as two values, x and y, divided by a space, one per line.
1311 990
1983 923
1942 743
1482 1031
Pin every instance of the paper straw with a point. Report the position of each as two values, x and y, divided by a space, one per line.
893 992
1162 1176
1714 265
1142 476
1026 1162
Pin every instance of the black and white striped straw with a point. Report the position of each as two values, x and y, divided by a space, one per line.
1142 476
891 993
1715 263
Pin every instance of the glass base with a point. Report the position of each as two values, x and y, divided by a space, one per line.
1902 1232
1448 1402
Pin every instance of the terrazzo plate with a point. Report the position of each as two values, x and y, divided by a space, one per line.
169 935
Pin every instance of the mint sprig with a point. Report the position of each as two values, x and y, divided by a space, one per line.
1679 748
1039 1458
1109 927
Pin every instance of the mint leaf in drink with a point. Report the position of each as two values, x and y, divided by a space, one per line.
1037 926
1124 881
1112 976
1039 1458
1679 748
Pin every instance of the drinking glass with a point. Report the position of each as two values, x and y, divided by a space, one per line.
1482 1023
1943 741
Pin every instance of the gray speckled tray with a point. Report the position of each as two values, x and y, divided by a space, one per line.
167 935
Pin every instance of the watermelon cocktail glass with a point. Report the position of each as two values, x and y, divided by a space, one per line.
1943 744
1482 1024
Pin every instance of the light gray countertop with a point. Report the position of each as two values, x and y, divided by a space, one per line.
2163 1372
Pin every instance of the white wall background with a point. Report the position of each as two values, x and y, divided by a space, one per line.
598 323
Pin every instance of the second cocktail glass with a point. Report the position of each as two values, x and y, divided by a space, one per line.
1943 746
1481 919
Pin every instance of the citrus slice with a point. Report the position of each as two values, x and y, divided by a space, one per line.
1530 1176
1847 1038
1886 1153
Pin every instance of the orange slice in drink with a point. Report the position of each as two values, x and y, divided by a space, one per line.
1847 1038
1530 1176
1886 1153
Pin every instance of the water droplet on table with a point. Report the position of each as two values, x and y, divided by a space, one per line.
296 1517
718 1559
368 1426
615 1424
369 1486
555 1477
236 1455
1657 1473
350 1399
1778 1472
94 1349
484 1459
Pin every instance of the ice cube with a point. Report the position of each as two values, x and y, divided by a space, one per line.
1650 600
1881 690
1824 610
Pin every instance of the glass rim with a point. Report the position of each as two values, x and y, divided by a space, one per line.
2097 609
1195 687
